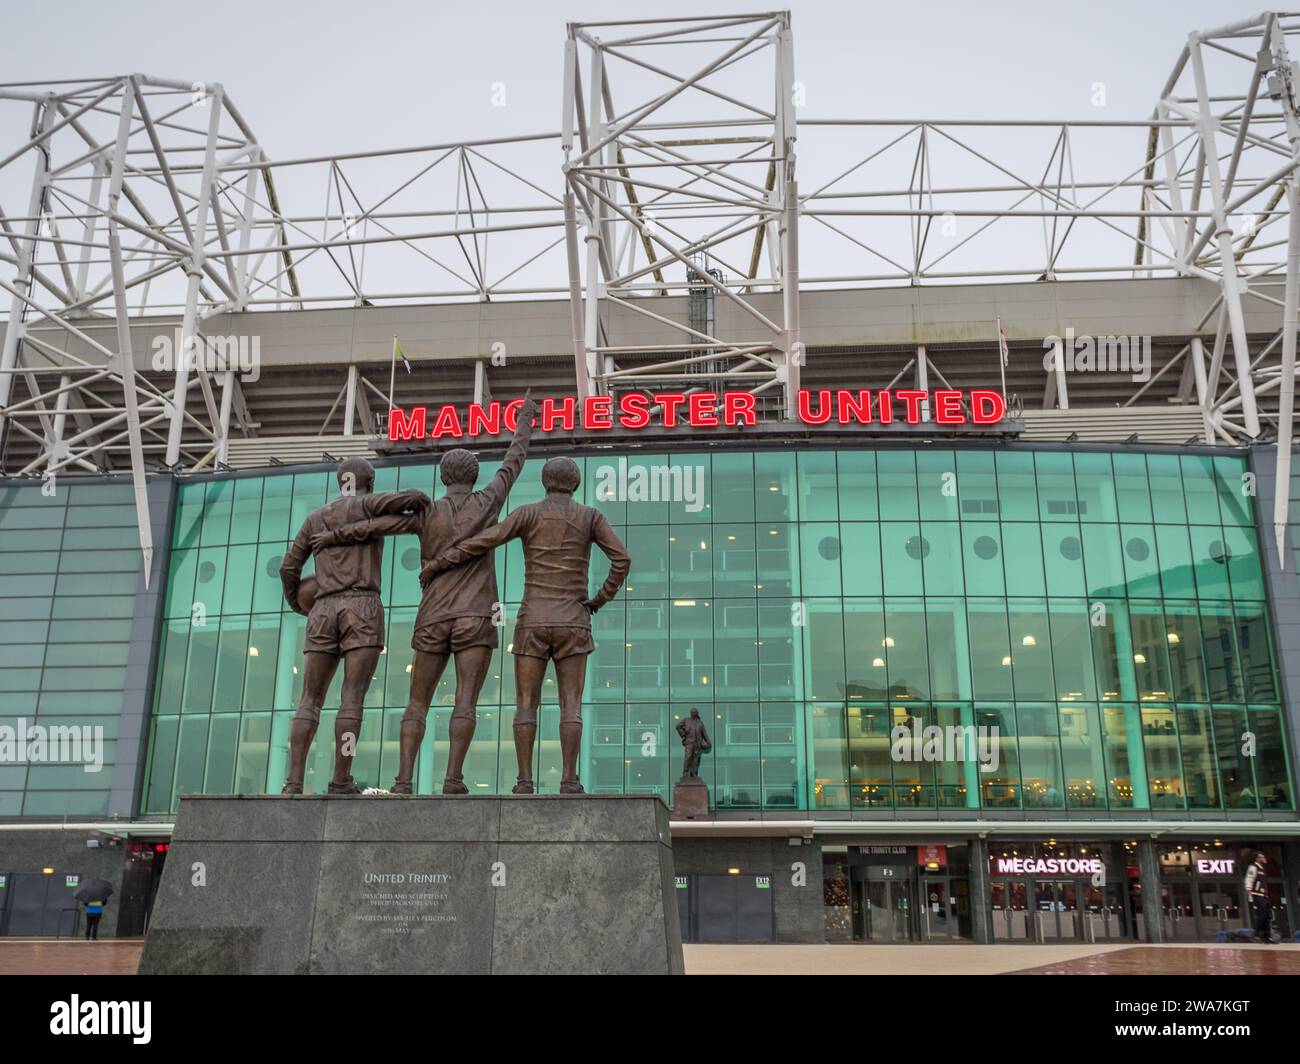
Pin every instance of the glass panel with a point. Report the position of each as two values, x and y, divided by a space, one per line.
1017 492
1164 771
1040 756
1071 650
999 788
941 558
818 490
1063 559
897 473
1056 497
948 648
1236 772
774 488
1200 489
1125 769
1186 652
906 654
1081 755
857 485
936 485
990 649
901 553
1234 490
1271 775
828 730
734 573
1150 650
1257 672
1031 649
1166 489
1197 748
1023 543
733 487
1095 482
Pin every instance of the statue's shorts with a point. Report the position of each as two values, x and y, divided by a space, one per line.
346 621
454 635
552 641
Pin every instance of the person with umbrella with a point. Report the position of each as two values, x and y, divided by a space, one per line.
94 896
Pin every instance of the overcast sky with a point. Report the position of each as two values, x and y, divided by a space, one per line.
338 75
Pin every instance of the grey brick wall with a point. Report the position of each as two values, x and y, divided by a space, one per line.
800 912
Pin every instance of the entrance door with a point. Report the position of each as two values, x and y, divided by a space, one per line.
734 909
1218 907
1011 913
1102 913
939 908
888 909
41 905
1056 908
1179 913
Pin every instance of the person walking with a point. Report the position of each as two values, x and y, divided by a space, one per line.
94 913
1257 895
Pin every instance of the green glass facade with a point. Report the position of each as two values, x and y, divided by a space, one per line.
69 572
1104 610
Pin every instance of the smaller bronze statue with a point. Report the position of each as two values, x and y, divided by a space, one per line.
695 741
690 793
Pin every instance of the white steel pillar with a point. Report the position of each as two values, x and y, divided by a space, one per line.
783 140
194 272
16 325
1231 283
125 356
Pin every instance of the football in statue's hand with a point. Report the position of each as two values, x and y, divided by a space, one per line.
307 594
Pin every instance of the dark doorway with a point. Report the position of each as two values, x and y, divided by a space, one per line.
140 876
39 905
732 908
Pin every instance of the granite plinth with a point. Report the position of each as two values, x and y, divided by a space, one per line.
690 799
429 885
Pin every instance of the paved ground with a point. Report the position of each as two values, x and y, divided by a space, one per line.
992 960
26 956
121 956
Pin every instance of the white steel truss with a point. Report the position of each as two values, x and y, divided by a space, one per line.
676 186
673 175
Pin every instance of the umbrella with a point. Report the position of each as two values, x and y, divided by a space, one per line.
94 890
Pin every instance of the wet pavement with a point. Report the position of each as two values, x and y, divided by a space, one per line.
1179 960
122 956
117 956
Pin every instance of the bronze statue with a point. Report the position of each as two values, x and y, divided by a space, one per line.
456 611
555 619
695 741
345 620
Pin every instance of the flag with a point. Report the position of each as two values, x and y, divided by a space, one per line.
399 353
1002 342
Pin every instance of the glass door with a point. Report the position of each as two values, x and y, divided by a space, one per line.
1179 915
888 910
1056 908
1219 907
938 910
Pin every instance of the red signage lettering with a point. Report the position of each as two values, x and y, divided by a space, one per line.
702 410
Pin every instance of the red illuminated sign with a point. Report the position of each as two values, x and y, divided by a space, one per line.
699 410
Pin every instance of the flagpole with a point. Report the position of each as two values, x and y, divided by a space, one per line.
1002 362
392 376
